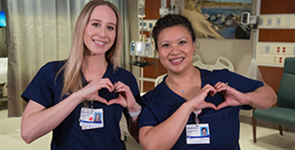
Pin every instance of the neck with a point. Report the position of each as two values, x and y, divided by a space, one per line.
94 62
183 78
180 83
93 67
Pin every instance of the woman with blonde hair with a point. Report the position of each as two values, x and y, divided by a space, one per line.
64 95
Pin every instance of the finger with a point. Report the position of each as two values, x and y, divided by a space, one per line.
222 105
217 84
210 105
223 87
114 101
109 84
212 92
117 101
220 85
119 85
102 100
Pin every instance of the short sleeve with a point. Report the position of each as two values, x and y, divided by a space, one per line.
40 88
243 84
147 117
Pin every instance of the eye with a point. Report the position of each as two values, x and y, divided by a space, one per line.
111 28
182 42
165 45
95 24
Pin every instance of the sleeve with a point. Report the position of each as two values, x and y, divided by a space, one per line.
40 88
241 83
147 117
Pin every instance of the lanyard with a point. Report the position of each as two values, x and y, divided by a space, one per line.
197 112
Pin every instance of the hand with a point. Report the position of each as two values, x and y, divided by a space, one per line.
231 95
90 91
198 102
125 98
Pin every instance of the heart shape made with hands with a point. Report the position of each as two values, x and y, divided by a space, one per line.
232 97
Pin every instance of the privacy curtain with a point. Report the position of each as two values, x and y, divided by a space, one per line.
40 31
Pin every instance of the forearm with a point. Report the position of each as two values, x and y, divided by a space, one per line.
165 135
38 123
133 128
262 98
133 120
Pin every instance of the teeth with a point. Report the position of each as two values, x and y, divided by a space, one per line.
99 42
175 60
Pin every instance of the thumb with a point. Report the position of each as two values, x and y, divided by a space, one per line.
222 105
114 101
210 105
102 100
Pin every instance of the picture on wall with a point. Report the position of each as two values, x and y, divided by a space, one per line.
218 19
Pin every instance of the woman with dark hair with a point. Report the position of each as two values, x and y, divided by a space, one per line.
190 98
64 95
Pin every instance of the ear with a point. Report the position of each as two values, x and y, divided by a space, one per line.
157 53
195 46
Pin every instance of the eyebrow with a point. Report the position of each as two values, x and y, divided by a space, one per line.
101 21
176 40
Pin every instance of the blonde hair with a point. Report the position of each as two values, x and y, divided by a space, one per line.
72 67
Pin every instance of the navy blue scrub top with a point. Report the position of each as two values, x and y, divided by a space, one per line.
224 125
45 90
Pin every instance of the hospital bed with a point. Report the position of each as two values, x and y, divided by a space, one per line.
221 63
3 78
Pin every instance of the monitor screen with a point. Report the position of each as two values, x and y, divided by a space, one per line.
2 19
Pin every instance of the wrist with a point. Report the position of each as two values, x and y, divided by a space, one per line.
188 106
77 97
134 112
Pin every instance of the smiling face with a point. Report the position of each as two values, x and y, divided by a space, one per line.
176 48
100 32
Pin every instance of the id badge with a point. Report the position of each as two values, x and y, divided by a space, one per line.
197 133
91 118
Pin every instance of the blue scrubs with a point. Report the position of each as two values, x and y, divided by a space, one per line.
45 89
224 124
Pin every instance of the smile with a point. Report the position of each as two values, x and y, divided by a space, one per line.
178 60
99 42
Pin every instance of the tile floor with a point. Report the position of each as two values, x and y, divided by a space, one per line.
268 139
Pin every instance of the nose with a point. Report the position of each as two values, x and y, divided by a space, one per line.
174 49
102 31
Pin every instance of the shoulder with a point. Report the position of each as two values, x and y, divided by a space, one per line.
53 66
212 77
50 69
124 75
156 94
121 71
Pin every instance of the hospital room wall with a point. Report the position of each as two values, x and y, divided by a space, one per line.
239 52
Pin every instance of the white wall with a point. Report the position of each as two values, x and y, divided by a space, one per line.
239 52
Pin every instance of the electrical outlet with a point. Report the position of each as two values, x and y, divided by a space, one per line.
269 22
260 22
278 21
267 49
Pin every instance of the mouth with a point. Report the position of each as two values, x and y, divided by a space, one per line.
176 61
99 43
